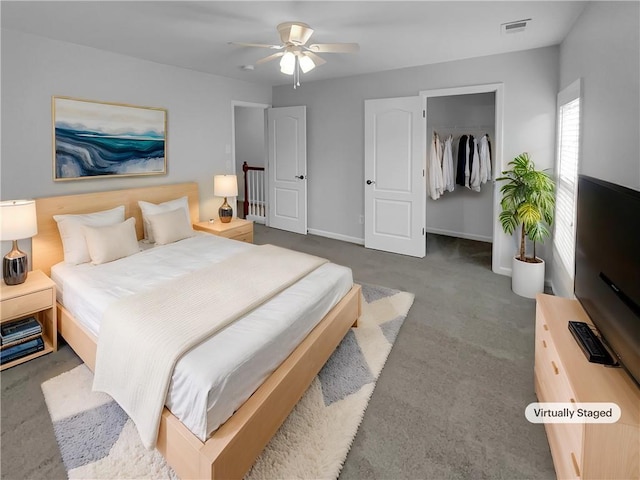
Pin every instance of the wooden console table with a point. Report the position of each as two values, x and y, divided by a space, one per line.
563 374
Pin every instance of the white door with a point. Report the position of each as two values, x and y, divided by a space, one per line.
395 195
287 165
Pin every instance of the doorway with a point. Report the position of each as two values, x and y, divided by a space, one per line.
249 143
486 116
274 141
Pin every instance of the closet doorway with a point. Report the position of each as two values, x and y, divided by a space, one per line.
470 213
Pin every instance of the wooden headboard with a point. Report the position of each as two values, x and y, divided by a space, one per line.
46 245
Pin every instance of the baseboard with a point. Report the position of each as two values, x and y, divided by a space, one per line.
500 270
467 236
360 241
336 236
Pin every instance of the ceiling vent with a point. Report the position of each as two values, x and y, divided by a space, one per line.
514 27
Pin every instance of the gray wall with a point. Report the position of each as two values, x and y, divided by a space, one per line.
335 122
462 213
603 49
198 120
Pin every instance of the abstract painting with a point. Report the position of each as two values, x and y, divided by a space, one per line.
95 139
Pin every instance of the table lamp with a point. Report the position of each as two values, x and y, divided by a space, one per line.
17 221
225 186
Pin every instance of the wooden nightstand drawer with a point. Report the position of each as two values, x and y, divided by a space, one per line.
243 233
237 229
244 237
26 304
241 230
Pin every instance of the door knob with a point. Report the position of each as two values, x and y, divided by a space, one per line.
301 177
369 182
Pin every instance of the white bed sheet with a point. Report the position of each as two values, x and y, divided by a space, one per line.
211 381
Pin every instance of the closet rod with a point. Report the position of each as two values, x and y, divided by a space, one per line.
456 127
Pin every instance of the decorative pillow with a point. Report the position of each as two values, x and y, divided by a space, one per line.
169 227
72 233
111 242
153 209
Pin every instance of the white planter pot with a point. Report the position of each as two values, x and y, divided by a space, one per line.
527 279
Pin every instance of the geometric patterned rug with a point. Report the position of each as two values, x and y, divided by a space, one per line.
98 441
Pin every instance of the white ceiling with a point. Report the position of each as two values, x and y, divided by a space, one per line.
391 34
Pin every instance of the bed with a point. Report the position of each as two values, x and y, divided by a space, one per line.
231 450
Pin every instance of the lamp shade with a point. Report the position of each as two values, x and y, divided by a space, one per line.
288 63
225 186
306 63
18 219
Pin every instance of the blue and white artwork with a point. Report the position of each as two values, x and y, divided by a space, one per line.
103 139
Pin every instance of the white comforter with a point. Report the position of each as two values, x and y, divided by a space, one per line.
203 393
142 336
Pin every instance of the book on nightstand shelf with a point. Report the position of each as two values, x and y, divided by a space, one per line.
14 331
20 350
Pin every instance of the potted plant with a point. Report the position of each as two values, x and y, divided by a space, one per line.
527 203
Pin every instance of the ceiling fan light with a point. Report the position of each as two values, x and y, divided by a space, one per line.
288 63
306 63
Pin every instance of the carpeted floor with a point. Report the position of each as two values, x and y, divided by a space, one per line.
449 403
98 441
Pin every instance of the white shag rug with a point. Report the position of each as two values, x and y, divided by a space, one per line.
98 441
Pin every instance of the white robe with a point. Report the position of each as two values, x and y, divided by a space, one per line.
485 159
434 170
448 173
474 181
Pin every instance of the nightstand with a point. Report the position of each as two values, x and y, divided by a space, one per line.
35 297
236 229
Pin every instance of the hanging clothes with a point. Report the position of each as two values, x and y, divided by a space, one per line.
462 160
469 165
434 169
474 181
473 166
448 175
485 159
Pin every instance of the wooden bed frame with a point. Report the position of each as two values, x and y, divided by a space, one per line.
232 449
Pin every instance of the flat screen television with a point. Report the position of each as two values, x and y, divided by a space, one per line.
607 274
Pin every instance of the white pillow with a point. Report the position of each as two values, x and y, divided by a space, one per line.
111 242
169 227
153 209
72 233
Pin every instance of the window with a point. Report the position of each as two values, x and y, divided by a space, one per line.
568 156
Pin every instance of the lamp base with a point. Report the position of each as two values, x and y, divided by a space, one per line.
225 212
15 266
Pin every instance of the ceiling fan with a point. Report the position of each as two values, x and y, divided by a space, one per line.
295 55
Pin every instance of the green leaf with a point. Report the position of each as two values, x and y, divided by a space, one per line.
509 221
528 199
537 232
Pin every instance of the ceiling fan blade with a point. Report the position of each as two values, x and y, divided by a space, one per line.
334 47
317 60
269 58
260 45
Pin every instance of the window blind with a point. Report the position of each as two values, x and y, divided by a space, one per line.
568 156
